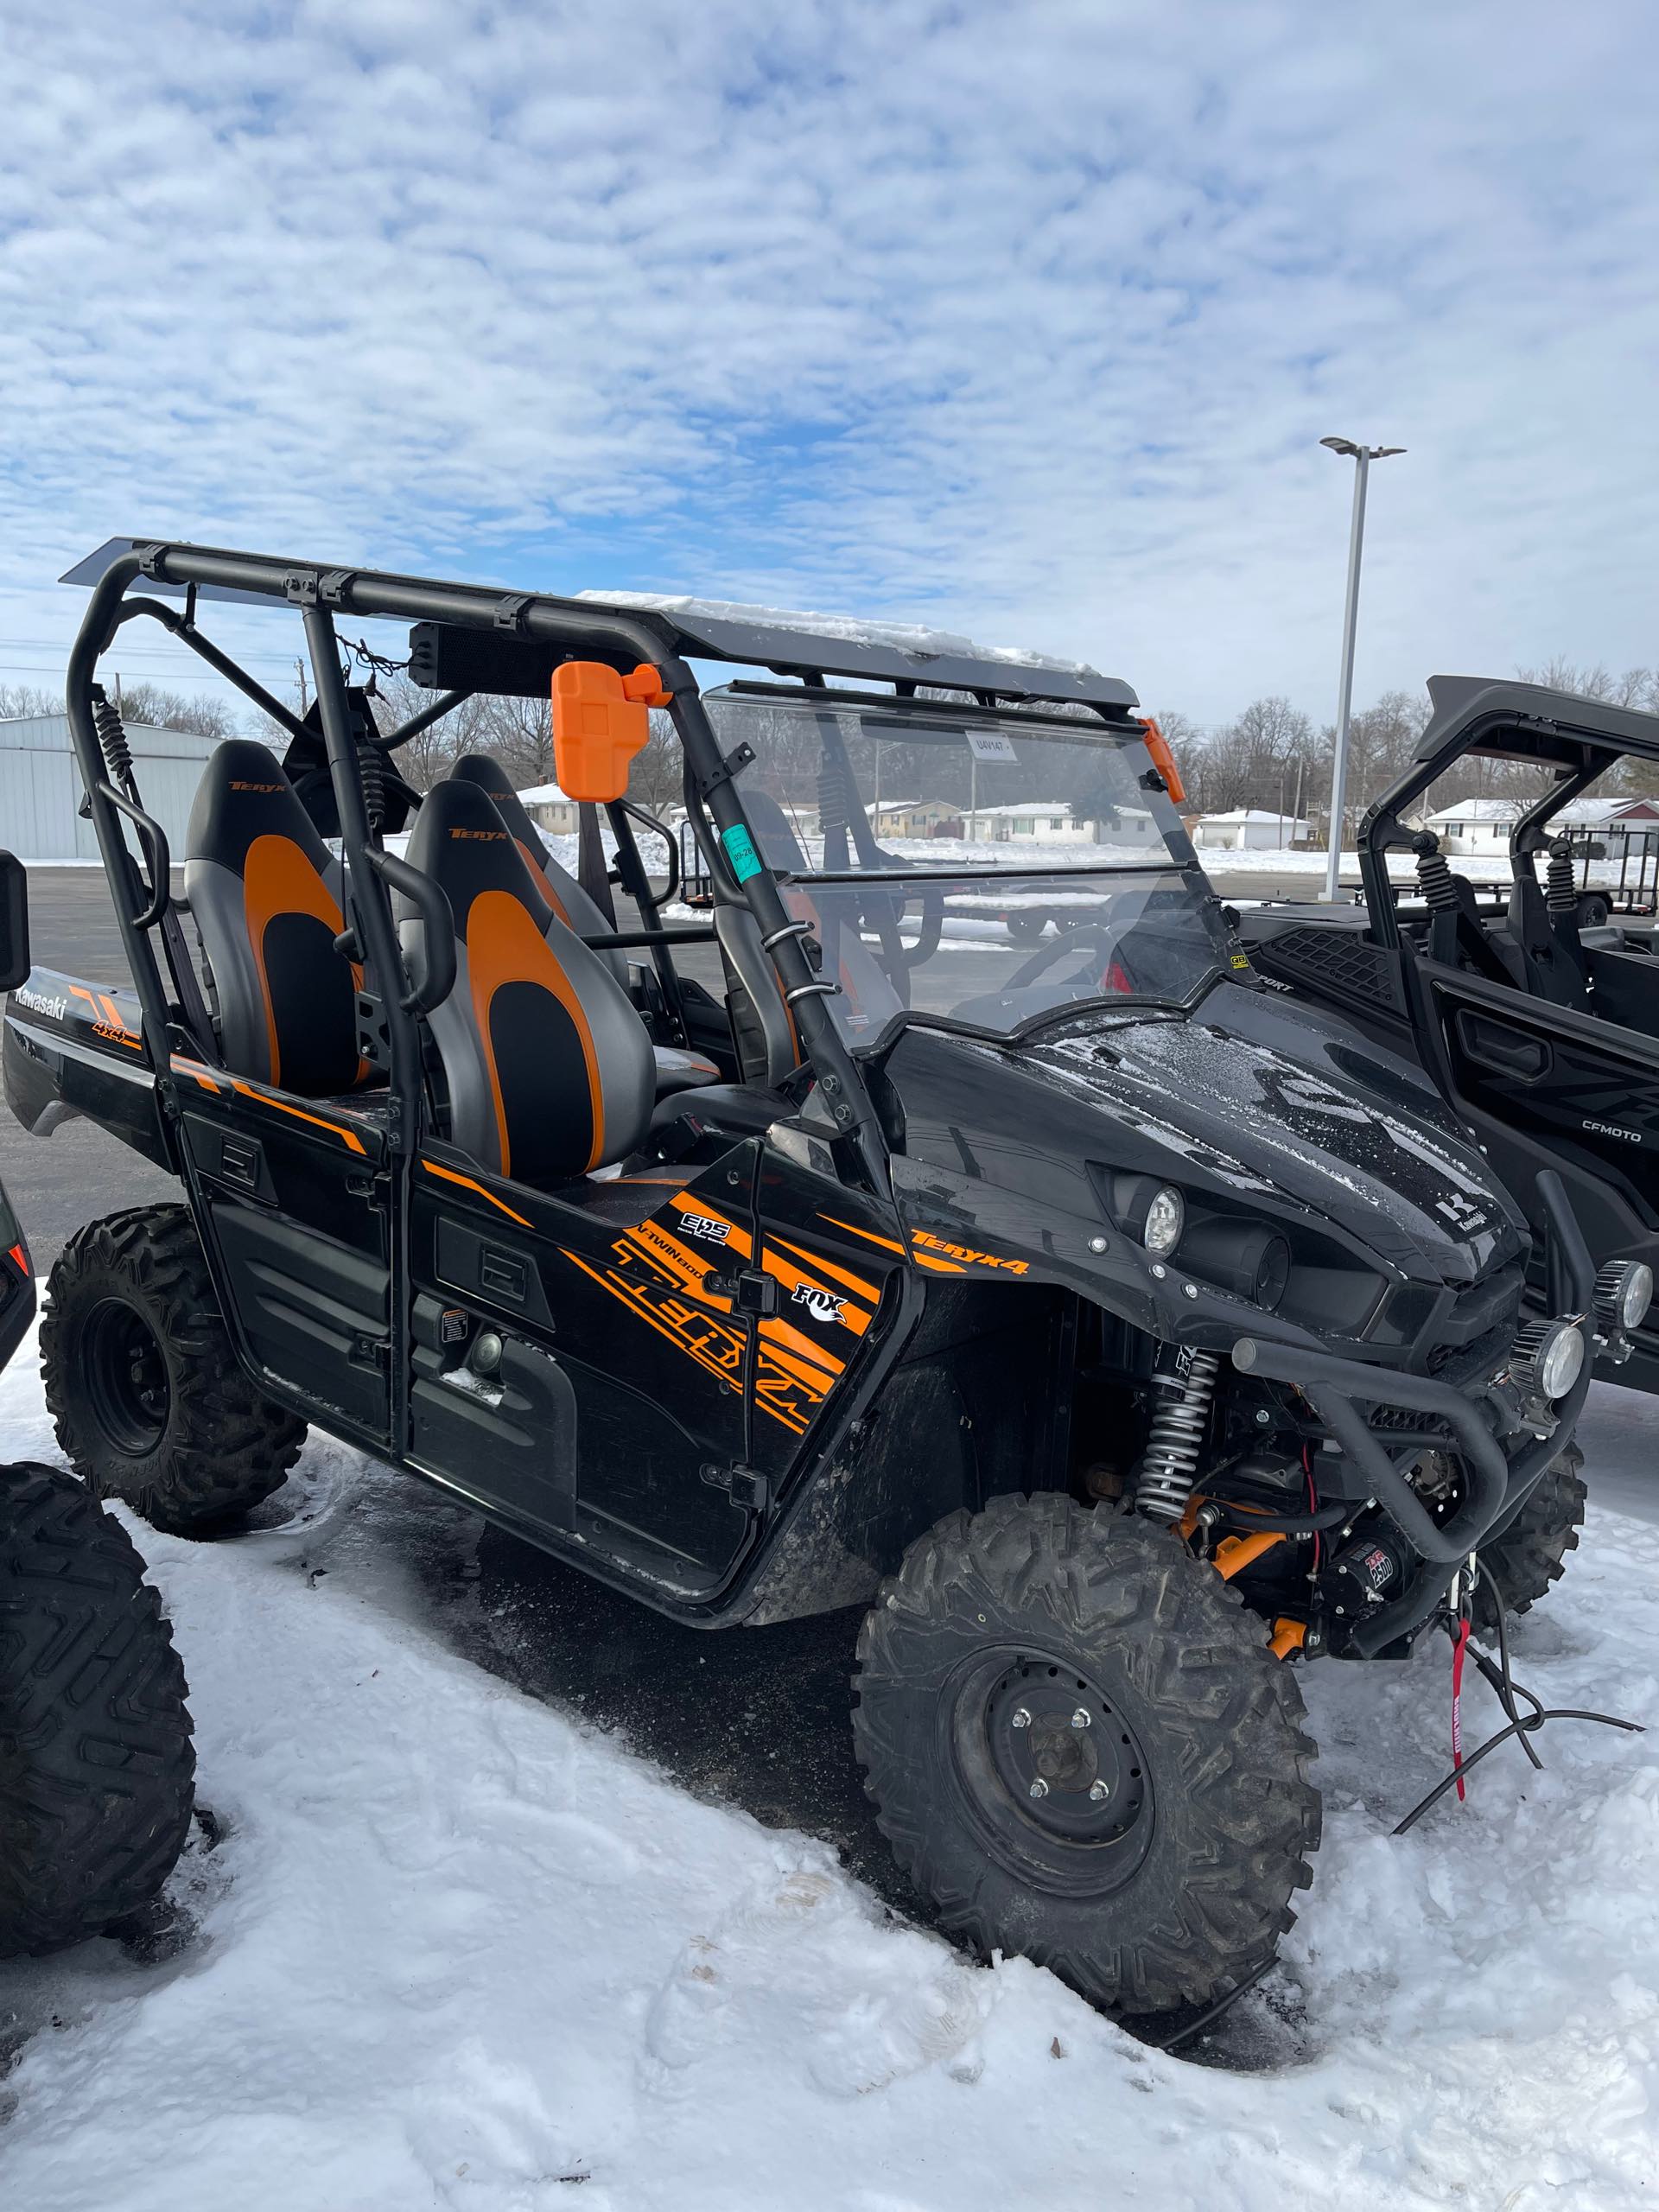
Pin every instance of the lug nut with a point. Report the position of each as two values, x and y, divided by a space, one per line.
1099 1792
1080 1717
1039 1788
1021 1719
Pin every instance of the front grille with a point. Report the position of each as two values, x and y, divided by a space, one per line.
1479 1329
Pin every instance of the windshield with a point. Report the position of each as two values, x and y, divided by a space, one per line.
986 869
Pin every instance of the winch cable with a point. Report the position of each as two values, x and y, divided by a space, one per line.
1210 2014
1507 1690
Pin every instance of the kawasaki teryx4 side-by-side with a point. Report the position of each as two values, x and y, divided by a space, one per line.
1112 1330
1535 1008
96 1762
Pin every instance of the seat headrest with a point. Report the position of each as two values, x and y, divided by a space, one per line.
461 840
243 795
483 769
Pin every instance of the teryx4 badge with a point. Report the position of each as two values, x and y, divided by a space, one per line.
822 1305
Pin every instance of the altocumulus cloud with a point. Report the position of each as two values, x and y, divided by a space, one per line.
1021 318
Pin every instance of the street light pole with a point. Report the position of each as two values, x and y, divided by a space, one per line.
1362 456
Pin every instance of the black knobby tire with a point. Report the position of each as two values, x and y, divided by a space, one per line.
144 1385
96 1763
1530 1556
1209 1777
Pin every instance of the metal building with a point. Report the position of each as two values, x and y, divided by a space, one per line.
41 787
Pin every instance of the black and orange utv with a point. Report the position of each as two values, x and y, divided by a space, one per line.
800 1234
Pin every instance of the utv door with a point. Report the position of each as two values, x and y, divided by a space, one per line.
292 1199
1547 1086
619 1416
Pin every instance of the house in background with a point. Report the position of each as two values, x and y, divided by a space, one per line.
916 817
1249 829
1609 828
1474 825
550 809
1030 821
1131 825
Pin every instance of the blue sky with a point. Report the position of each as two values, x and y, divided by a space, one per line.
1024 319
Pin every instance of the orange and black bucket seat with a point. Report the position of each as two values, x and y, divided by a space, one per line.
268 899
546 1065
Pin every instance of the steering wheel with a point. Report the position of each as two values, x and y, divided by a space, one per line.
1105 934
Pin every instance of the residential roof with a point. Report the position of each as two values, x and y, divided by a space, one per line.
544 795
1477 810
1025 806
1250 814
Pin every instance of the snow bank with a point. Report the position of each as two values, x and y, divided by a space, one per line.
456 1950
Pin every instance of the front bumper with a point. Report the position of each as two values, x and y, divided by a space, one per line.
1499 1481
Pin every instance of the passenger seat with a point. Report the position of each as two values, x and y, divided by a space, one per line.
268 899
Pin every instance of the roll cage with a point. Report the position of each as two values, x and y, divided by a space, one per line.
1581 739
488 637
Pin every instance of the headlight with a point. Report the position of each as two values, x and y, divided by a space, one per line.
1160 1232
1623 1293
1547 1358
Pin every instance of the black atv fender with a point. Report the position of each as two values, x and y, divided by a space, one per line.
71 1050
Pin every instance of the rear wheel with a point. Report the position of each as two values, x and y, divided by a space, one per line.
1025 925
143 1384
1080 1748
96 1764
1530 1556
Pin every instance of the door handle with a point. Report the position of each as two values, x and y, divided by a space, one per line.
504 1275
1506 1050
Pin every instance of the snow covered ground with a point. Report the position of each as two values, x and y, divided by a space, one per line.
454 1949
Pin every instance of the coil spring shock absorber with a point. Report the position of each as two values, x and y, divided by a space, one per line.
372 762
1560 893
1185 1382
1435 874
112 736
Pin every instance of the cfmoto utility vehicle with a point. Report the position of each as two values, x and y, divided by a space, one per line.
1113 1331
1534 1007
96 1764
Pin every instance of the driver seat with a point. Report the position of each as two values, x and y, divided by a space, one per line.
546 1065
556 884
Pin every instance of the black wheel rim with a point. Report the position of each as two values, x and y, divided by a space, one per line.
125 1377
1052 1772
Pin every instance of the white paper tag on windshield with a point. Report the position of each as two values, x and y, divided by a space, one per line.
985 746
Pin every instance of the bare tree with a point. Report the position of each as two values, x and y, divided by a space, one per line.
19 699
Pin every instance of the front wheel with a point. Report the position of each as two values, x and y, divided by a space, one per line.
1080 1748
142 1382
96 1763
1530 1556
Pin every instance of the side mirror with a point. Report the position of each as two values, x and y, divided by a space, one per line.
14 921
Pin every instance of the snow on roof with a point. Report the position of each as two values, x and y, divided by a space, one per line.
544 795
853 629
1249 814
1479 810
1596 813
1027 806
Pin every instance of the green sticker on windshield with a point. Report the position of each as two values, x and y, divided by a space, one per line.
739 850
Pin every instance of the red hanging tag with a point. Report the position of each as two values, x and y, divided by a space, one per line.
1457 1650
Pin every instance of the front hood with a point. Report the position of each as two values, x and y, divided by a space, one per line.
1274 1099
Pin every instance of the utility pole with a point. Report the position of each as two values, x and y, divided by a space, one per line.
1362 456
